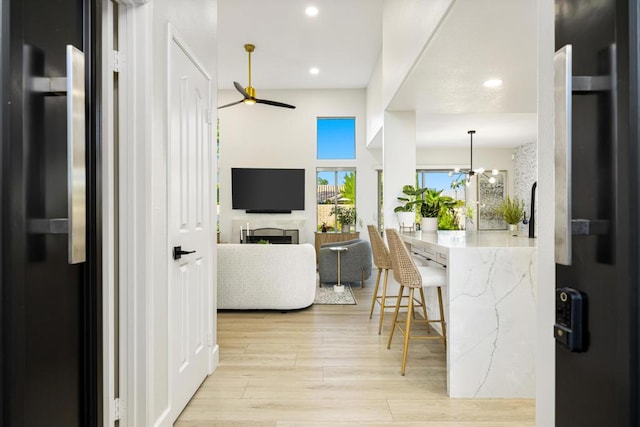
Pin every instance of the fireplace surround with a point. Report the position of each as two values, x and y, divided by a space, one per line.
271 235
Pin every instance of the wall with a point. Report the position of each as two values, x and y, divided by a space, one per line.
272 137
252 137
398 159
375 111
545 344
407 27
525 174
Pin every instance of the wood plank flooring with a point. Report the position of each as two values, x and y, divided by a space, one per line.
327 366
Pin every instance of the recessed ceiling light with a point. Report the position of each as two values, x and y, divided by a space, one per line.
311 11
314 70
492 83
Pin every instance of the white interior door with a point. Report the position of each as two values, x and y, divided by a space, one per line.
189 205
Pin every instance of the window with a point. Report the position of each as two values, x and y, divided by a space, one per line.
455 219
440 180
336 137
336 191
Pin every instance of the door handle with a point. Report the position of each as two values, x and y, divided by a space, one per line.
565 85
562 156
178 252
73 86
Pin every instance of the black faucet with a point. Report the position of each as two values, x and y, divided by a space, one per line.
532 218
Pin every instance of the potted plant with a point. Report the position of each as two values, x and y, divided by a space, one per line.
439 211
345 215
512 210
412 200
430 207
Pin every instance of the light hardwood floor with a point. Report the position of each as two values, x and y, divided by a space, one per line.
327 366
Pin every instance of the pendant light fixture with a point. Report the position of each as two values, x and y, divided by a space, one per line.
465 176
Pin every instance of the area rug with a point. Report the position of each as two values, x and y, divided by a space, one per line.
326 295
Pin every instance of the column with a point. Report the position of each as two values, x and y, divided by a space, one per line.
398 159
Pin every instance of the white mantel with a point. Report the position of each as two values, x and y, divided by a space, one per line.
490 309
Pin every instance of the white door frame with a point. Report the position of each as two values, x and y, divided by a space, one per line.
131 405
109 217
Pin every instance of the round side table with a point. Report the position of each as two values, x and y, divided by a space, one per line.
338 249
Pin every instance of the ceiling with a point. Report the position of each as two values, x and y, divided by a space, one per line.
475 41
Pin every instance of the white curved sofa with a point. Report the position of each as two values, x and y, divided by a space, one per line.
266 277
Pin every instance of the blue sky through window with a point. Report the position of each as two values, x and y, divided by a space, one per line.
330 177
440 180
336 138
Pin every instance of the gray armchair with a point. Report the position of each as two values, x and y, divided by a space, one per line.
355 263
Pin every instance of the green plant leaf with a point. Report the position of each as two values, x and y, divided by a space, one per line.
511 209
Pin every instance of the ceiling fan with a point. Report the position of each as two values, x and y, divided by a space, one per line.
249 93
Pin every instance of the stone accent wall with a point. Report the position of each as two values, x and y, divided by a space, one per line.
526 173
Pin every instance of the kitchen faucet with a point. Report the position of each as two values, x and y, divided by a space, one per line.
532 218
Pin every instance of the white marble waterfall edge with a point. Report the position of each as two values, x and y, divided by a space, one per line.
491 322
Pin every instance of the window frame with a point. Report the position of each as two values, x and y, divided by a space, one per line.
336 171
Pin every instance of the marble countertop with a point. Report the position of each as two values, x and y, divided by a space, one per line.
471 239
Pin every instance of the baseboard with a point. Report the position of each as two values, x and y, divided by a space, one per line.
214 361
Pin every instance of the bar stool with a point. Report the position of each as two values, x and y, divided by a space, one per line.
382 260
408 275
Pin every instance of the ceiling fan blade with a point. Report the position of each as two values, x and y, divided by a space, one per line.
274 103
240 89
229 105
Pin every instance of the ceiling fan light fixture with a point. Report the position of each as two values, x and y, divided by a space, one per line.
249 93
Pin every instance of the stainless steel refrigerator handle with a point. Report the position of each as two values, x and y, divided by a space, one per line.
562 148
565 85
75 224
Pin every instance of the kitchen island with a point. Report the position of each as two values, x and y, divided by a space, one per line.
489 303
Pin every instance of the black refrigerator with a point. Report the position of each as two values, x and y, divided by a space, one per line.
596 229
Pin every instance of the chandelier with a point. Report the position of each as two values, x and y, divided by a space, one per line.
465 176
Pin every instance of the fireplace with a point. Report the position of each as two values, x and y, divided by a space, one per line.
269 239
270 235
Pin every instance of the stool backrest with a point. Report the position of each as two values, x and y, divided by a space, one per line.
380 252
404 269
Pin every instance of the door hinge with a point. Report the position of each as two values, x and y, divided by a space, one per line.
209 117
116 61
210 339
118 409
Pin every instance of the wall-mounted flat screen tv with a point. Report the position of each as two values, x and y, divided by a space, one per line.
267 190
